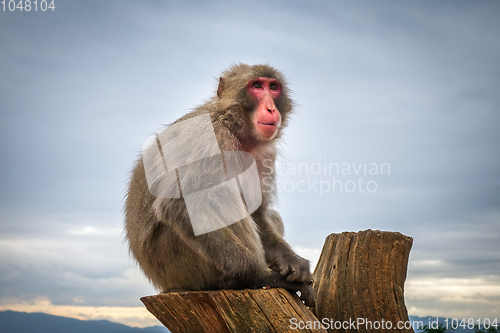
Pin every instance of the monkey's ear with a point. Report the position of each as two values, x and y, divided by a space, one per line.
220 89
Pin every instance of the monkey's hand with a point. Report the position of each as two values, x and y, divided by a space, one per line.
292 268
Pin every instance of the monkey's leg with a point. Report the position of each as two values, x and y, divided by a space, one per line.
237 254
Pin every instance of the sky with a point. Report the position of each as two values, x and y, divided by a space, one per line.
396 103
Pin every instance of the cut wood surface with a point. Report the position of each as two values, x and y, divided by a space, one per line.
238 311
360 276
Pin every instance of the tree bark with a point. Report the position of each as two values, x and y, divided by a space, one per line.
238 311
360 276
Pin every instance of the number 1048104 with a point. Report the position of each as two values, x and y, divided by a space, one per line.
28 5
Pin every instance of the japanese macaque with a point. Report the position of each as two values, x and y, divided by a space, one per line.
248 114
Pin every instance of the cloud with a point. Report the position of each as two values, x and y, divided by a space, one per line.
410 84
68 261
453 297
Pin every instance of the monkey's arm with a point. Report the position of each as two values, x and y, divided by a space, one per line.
279 255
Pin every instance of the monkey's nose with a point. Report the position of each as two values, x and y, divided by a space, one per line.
271 108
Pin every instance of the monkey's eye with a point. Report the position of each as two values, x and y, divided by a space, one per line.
273 86
257 85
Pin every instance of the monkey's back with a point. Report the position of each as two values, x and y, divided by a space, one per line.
166 250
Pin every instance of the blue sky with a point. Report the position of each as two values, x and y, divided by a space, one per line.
413 85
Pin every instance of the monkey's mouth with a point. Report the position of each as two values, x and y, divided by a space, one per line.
267 124
267 129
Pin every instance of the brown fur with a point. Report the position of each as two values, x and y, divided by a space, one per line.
237 256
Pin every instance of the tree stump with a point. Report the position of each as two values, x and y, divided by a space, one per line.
238 311
360 276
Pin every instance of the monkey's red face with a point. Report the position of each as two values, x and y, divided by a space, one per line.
266 117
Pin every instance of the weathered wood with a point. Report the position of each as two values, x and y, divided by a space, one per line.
361 276
238 311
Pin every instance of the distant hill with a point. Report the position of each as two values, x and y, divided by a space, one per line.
22 322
